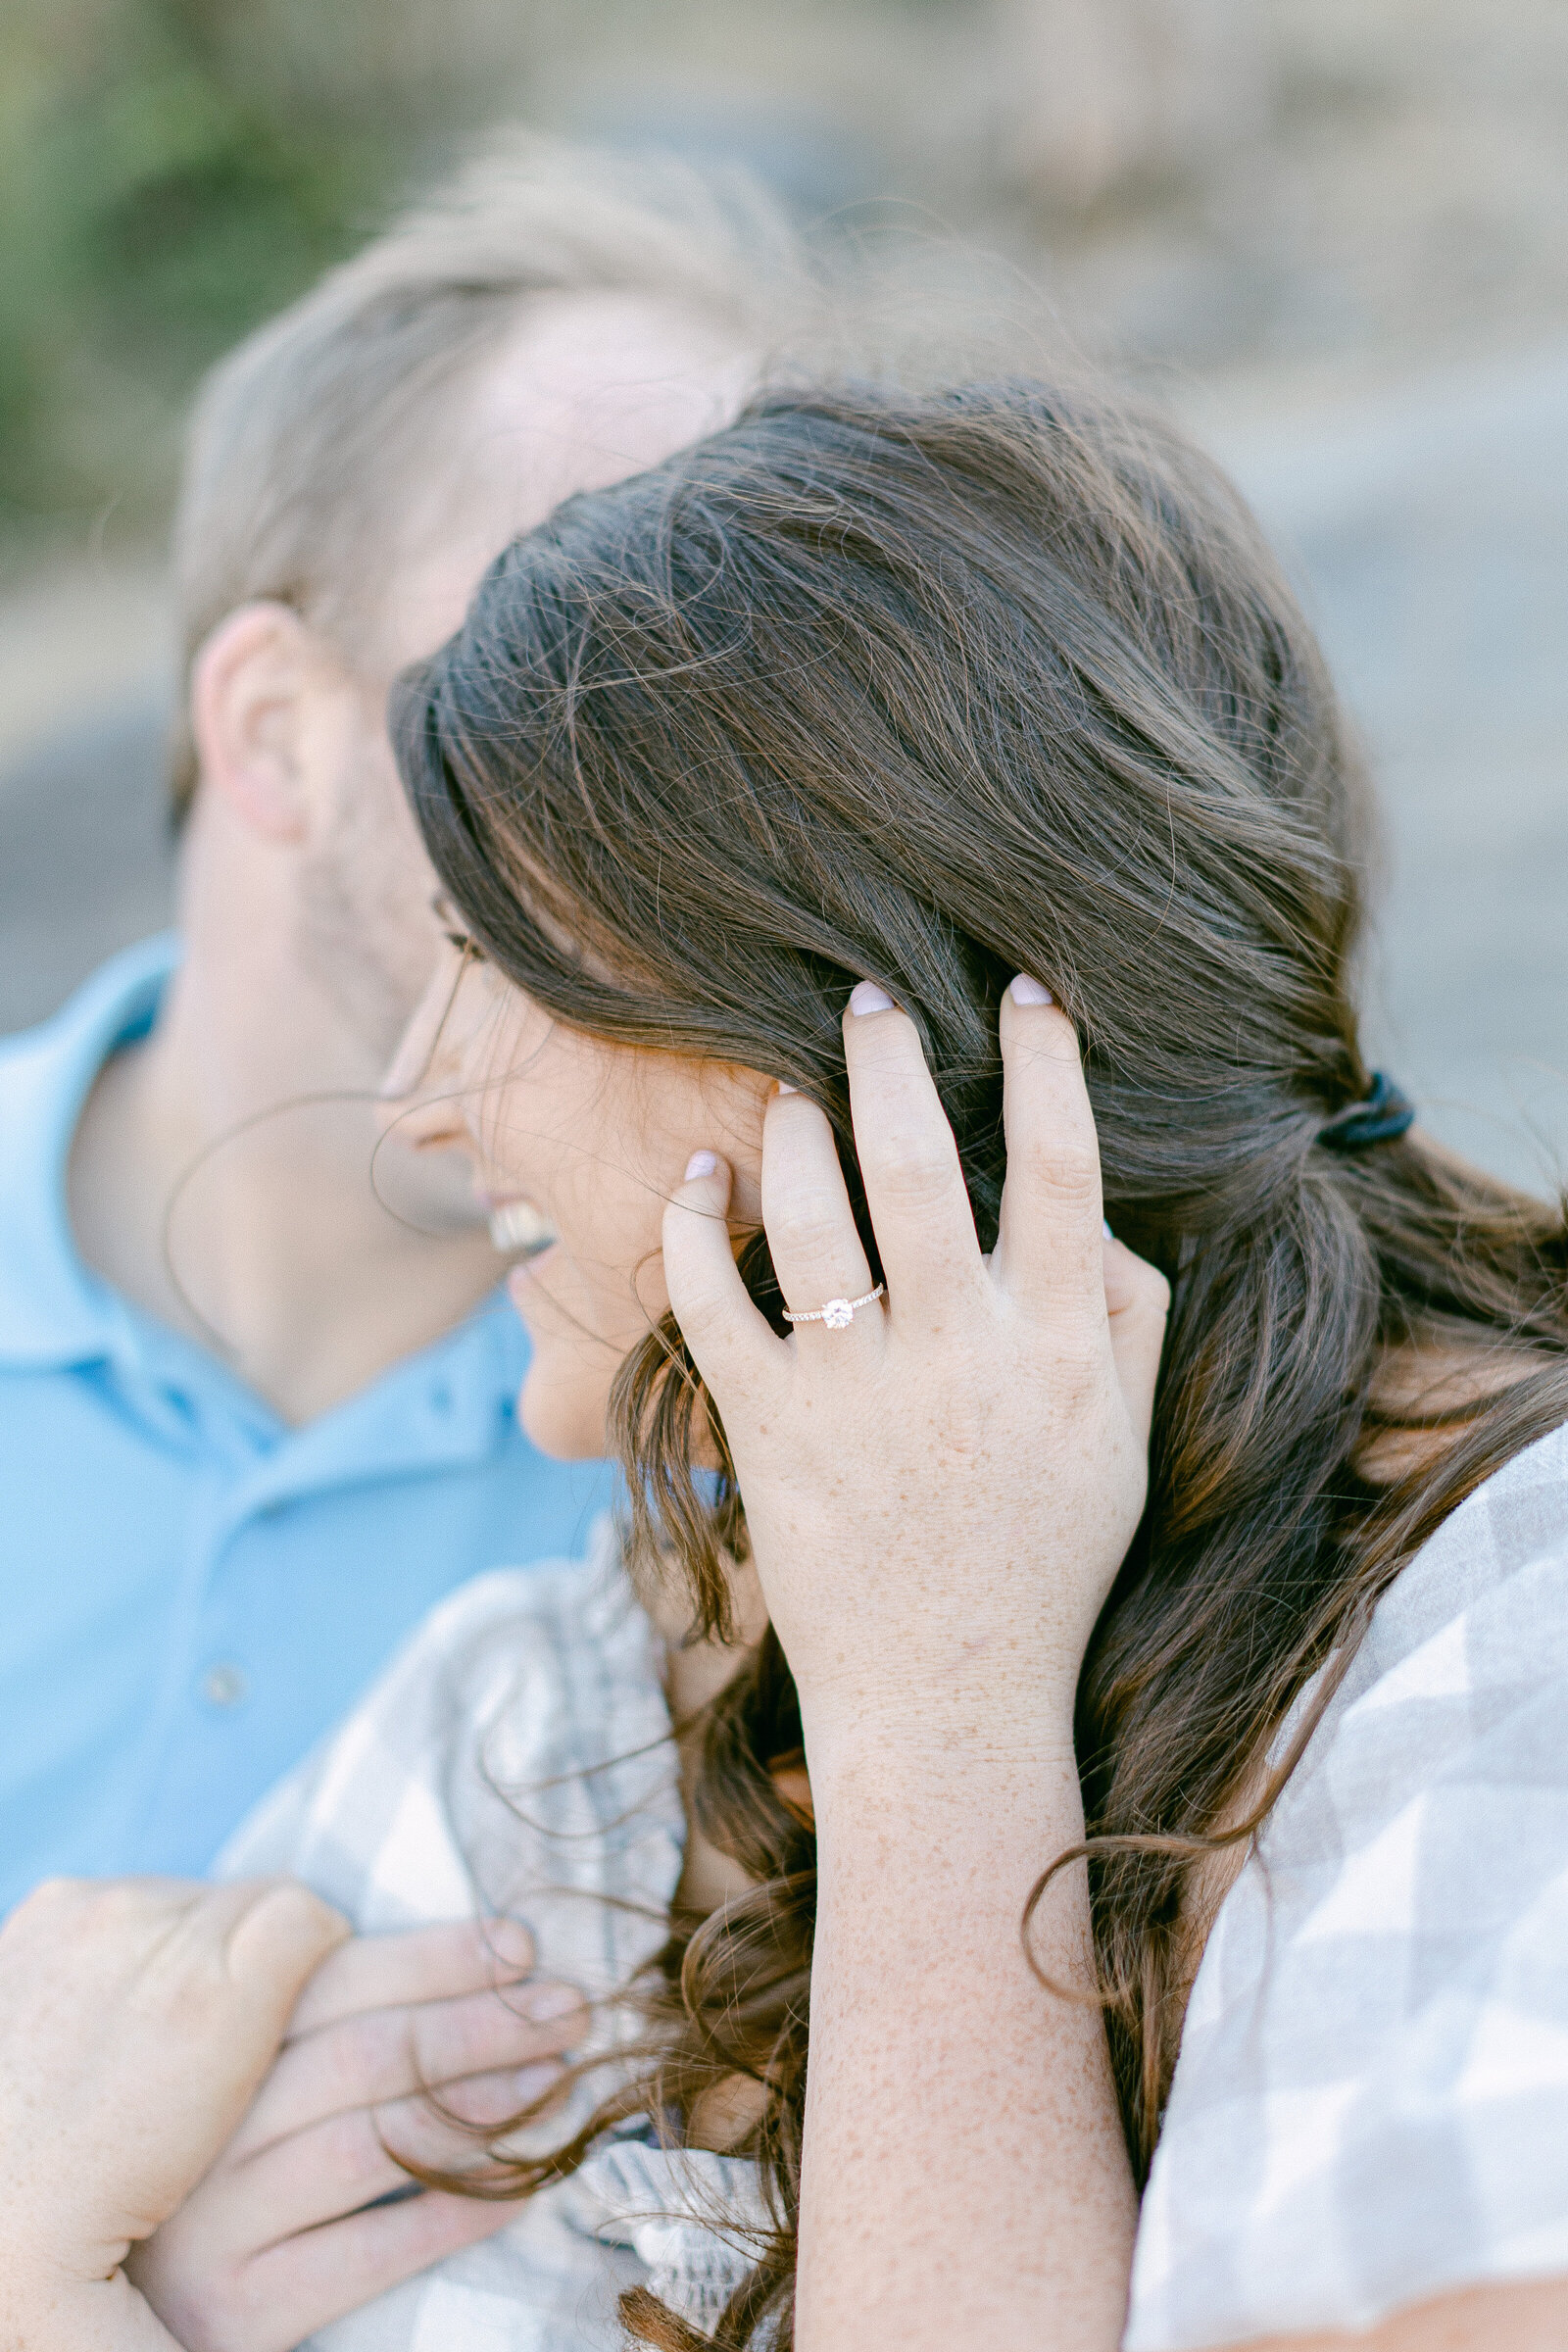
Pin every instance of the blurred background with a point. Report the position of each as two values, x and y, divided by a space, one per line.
1332 233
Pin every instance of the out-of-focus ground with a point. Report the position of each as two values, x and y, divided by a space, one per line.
1332 232
1427 526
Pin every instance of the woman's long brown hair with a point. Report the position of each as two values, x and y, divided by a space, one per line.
928 692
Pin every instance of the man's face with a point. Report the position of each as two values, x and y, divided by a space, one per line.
592 389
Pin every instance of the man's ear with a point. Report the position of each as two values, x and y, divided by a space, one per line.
249 686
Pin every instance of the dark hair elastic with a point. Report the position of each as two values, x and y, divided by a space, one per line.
1382 1116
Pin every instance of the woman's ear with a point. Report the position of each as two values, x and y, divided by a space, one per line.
249 687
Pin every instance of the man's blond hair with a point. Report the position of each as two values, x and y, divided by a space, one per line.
297 432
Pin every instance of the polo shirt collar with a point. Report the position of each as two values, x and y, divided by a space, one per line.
446 1406
53 1310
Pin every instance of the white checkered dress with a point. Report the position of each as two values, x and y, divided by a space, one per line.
514 1760
1371 2102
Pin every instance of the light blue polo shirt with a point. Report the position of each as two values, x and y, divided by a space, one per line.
190 1591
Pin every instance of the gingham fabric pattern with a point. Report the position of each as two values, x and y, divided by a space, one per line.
514 1760
1371 2100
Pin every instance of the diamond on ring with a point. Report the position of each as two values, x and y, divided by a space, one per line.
838 1314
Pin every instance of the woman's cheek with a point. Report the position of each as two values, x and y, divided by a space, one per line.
565 1394
564 1402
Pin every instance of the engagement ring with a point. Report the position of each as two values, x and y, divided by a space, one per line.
839 1313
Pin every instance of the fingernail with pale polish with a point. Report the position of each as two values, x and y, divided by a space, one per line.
1104 1227
701 1164
1027 991
785 1088
546 2001
509 1942
867 997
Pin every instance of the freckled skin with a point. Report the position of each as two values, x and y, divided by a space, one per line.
595 1137
934 1526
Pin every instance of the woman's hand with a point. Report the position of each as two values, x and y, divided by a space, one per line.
939 1496
284 2235
136 2019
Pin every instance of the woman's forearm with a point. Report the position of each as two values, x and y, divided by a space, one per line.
965 2179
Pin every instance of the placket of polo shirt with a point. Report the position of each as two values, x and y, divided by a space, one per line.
195 1559
440 1411
444 1410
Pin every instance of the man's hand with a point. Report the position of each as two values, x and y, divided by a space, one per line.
284 2233
136 2019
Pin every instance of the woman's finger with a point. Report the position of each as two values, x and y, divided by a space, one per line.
909 1161
387 2054
729 1340
1138 1302
308 2281
426 1963
1048 1250
347 2161
818 1252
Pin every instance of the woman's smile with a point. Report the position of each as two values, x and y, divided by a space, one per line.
519 1229
576 1145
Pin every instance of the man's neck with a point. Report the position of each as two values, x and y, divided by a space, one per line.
221 1180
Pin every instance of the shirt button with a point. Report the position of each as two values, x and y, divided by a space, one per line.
224 1685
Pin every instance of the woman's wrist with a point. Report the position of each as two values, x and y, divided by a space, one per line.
945 1839
947 1751
939 2054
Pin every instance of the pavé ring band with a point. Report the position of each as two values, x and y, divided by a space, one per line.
839 1313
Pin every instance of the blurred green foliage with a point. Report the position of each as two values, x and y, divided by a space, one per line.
156 196
172 170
